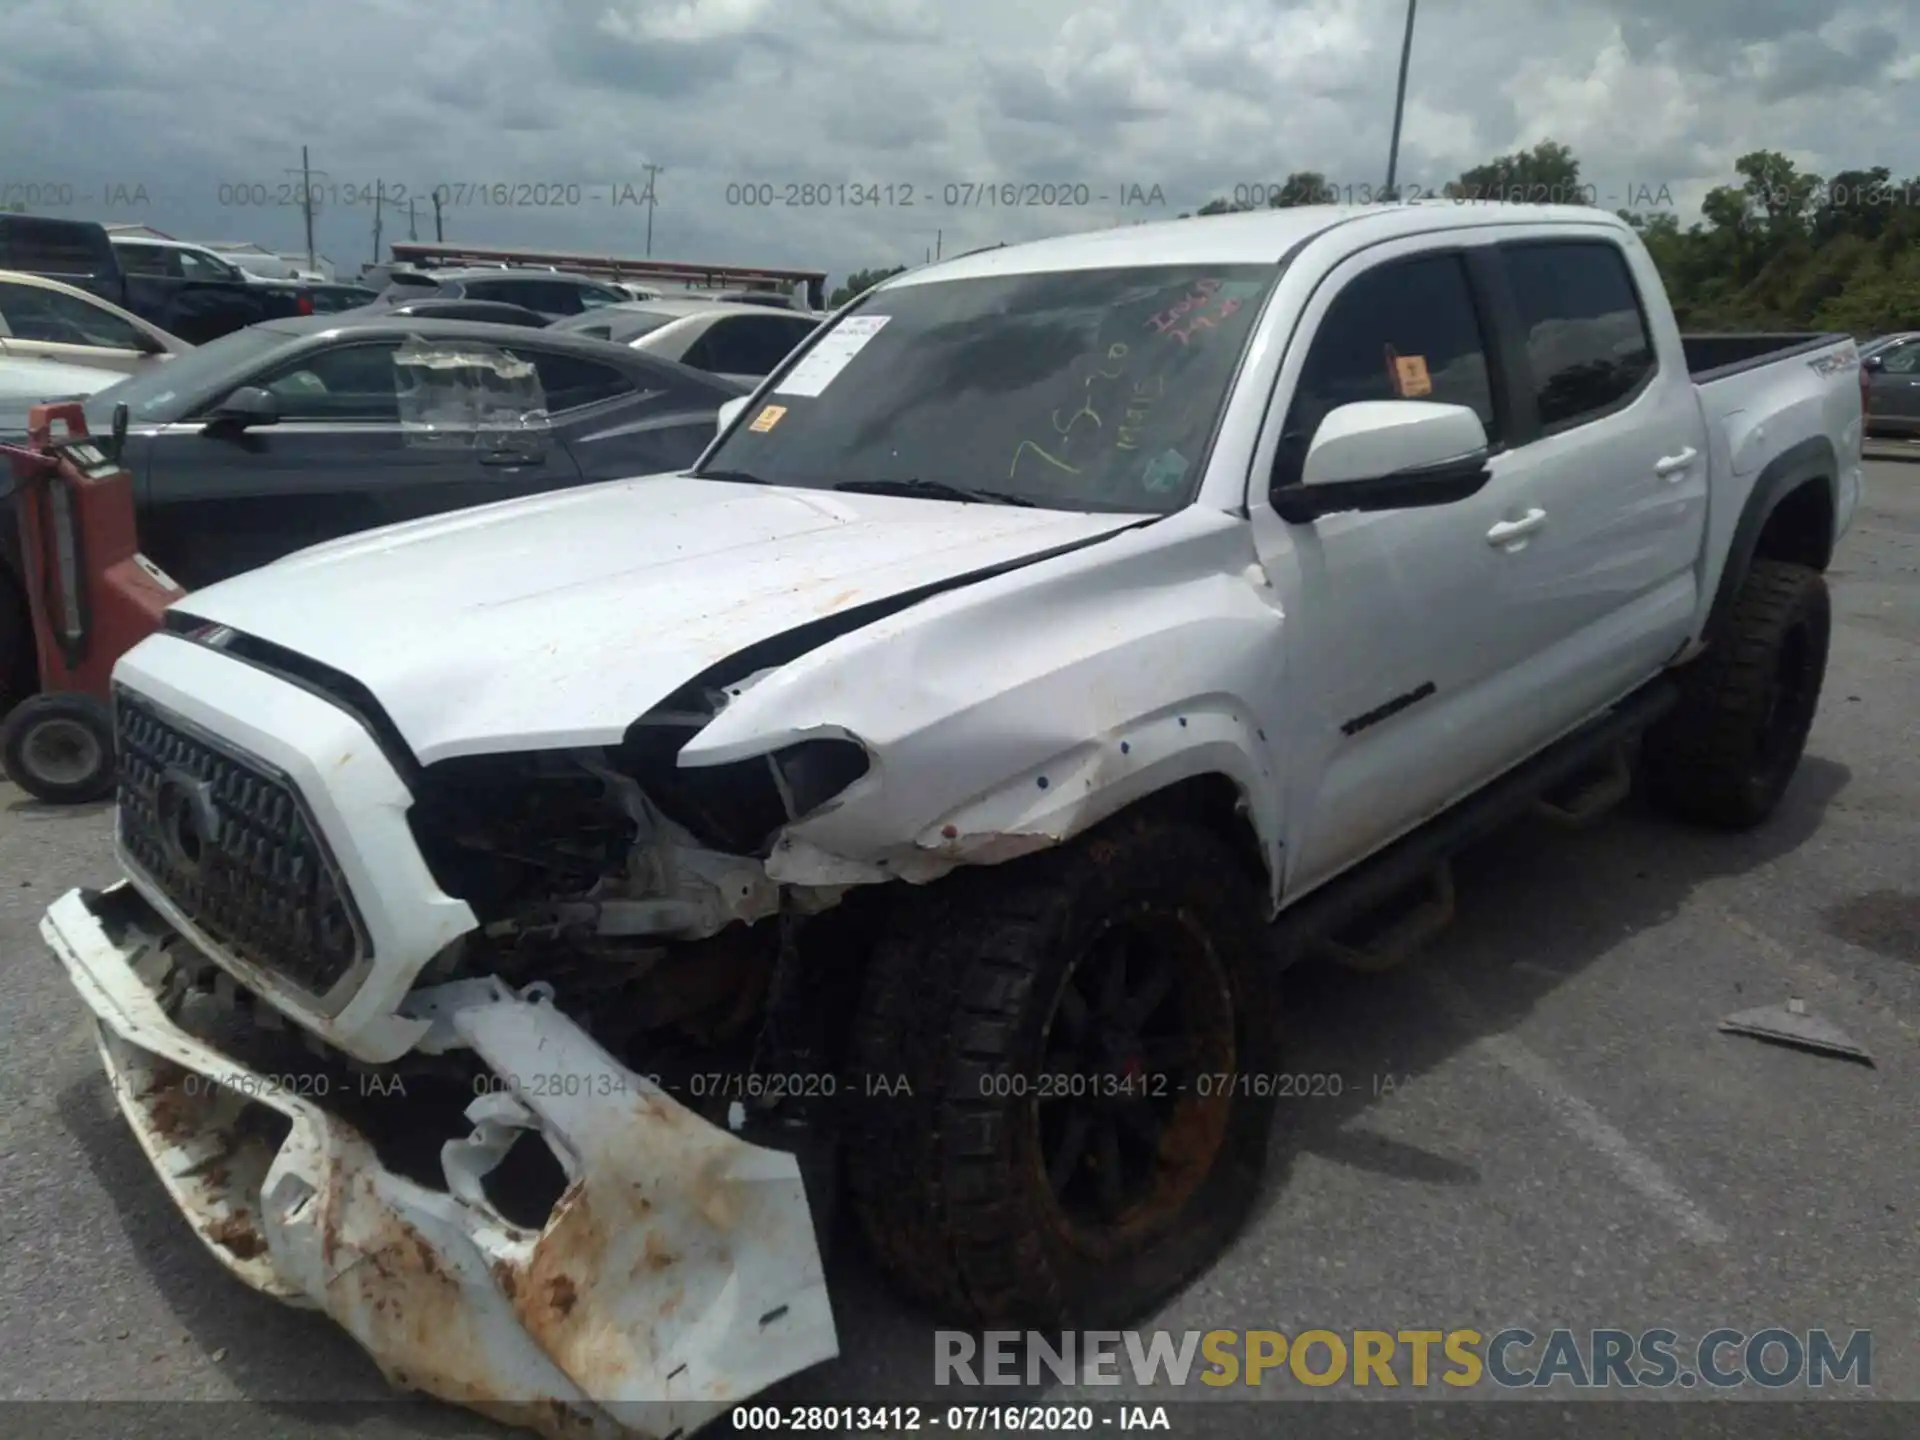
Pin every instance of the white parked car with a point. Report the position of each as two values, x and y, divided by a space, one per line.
930 785
28 381
45 319
739 342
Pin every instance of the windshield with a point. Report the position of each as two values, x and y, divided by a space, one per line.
162 393
1075 390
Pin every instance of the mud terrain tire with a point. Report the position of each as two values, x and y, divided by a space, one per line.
1725 755
987 993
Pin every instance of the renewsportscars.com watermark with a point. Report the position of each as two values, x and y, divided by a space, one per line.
1772 1358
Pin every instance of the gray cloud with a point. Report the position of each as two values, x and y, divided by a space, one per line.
191 98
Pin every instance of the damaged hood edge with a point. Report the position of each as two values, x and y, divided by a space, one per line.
559 620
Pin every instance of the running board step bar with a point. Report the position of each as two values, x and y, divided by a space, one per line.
1338 904
1591 795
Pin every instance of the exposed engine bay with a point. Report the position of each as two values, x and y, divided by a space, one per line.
632 895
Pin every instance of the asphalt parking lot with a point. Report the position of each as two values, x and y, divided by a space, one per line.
1538 1122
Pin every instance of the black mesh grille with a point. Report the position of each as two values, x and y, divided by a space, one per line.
225 838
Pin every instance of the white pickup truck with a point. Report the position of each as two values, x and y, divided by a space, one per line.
530 912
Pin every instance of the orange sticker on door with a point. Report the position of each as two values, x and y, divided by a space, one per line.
767 419
1410 376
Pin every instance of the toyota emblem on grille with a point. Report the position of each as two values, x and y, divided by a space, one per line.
189 823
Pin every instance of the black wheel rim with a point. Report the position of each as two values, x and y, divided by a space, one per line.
1791 694
1130 1100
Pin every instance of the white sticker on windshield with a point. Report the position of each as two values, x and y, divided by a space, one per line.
832 354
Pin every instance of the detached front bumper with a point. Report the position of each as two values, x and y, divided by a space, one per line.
677 1275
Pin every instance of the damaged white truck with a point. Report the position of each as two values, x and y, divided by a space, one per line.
532 916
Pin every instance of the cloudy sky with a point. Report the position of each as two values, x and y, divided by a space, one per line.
190 114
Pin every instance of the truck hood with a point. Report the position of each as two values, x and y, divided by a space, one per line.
559 619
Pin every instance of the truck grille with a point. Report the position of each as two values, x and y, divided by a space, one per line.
225 838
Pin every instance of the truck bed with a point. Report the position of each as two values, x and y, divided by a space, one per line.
1715 357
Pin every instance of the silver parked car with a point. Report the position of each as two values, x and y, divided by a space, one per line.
739 342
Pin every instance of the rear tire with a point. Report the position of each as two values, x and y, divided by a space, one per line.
1724 757
59 748
1037 1168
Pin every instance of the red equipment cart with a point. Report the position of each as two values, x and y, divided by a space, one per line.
92 596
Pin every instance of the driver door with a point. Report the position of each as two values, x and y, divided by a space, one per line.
1394 670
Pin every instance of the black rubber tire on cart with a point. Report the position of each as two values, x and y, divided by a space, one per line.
59 748
996 1187
1725 755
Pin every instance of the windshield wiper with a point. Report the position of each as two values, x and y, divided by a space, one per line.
938 489
744 477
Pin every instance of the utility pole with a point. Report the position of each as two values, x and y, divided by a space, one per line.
413 227
438 233
306 202
1400 105
652 170
936 243
379 198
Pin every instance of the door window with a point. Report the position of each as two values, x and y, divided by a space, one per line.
570 382
504 292
144 260
746 344
1587 349
194 266
553 297
1419 309
592 297
350 382
1902 360
31 313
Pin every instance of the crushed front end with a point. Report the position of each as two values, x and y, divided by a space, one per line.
451 1124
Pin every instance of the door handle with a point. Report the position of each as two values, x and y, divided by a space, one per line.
1508 531
1668 465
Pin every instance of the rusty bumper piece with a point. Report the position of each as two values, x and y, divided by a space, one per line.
677 1275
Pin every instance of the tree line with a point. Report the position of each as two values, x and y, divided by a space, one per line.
1776 248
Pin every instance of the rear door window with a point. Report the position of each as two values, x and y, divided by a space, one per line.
570 382
1588 349
745 344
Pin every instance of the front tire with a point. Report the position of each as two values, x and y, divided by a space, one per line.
1082 1035
1724 757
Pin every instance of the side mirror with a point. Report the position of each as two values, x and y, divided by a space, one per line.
246 407
1875 362
1387 455
732 410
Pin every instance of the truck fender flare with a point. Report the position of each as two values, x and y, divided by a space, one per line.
1812 459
